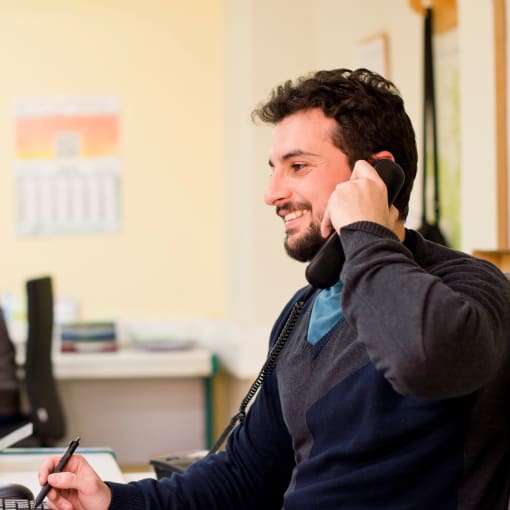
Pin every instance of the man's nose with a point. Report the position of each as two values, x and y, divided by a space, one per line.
277 189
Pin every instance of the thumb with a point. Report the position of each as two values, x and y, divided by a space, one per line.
326 226
64 480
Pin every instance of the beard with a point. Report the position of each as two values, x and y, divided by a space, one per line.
306 247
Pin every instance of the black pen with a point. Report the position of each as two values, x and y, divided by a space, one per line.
60 466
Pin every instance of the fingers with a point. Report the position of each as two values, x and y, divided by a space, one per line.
64 480
75 463
394 216
363 197
364 170
48 466
56 502
77 488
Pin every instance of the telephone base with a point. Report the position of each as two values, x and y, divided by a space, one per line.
166 465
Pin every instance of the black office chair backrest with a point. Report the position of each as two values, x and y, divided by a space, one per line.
42 392
10 394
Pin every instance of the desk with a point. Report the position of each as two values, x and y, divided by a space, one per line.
20 465
139 403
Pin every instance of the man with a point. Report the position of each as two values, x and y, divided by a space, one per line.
391 391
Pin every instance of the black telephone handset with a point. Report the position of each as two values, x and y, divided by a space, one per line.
324 269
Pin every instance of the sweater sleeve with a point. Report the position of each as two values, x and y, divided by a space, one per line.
252 473
434 323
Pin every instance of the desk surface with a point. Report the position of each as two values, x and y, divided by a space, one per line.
20 465
130 363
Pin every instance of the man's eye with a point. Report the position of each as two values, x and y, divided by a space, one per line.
298 166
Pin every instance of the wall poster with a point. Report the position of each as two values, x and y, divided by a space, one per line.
67 167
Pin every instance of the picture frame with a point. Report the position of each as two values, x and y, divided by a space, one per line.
372 53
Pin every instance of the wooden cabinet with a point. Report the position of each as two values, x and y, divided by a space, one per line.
500 258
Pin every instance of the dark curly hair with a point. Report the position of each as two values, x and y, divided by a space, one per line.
369 112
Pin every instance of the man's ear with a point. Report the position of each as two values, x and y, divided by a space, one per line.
382 155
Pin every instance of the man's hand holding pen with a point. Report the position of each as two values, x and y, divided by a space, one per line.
78 487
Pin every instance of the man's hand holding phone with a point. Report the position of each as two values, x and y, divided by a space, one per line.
364 197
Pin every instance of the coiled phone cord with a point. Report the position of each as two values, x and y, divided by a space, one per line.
266 369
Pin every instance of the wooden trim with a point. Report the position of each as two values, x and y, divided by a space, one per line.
445 13
501 122
500 258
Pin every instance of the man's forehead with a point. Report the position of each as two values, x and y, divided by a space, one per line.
303 133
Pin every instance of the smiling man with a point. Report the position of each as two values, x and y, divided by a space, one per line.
391 392
307 168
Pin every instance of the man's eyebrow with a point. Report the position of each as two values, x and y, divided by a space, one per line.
293 154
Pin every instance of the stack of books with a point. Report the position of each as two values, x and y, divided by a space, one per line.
88 337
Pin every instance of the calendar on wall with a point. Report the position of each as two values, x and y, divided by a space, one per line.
67 166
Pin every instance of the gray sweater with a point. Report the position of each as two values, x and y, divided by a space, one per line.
402 406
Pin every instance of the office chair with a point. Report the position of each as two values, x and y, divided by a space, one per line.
44 405
42 392
10 398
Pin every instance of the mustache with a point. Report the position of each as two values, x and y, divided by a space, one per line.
289 207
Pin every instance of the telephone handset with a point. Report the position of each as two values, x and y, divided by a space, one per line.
324 269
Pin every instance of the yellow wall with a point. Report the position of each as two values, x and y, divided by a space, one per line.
163 60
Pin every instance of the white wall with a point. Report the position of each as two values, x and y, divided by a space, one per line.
478 159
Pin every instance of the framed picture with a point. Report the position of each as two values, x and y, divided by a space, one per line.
372 53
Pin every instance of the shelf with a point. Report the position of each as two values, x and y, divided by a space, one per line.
130 363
